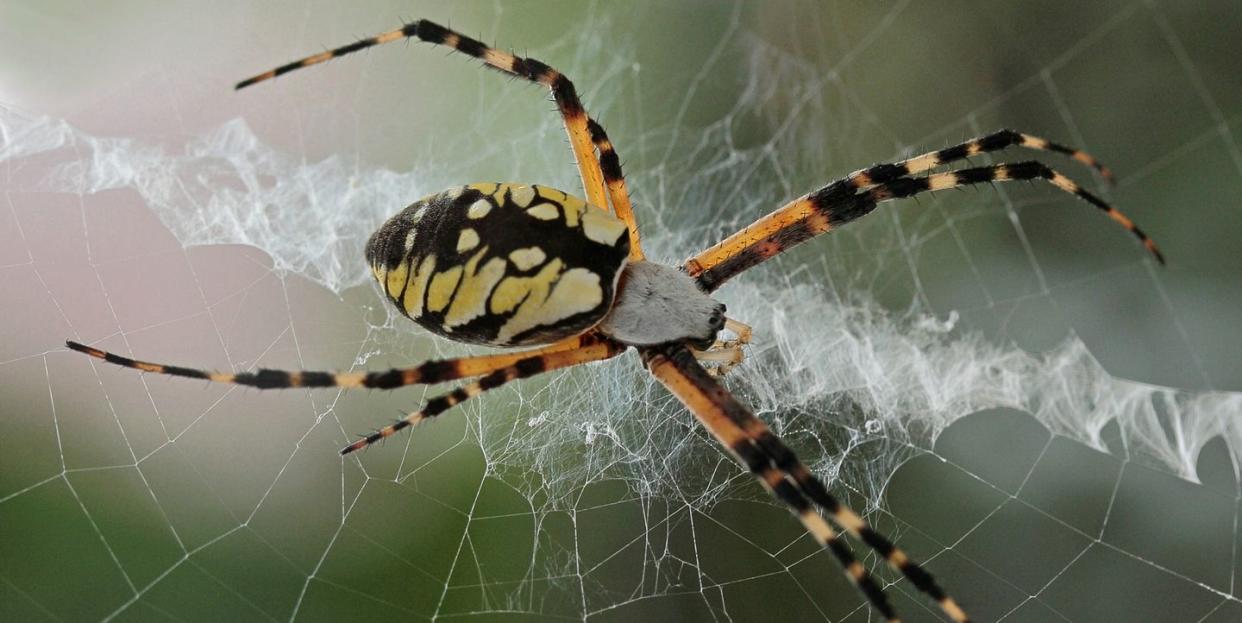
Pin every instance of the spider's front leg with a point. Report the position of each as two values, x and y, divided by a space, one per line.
726 354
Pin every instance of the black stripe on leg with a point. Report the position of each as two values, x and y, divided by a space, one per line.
535 69
317 379
473 47
387 379
977 175
186 372
430 32
999 140
751 457
493 380
566 97
353 47
609 162
881 173
437 371
1028 170
956 152
898 189
866 583
1061 149
440 404
264 378
786 460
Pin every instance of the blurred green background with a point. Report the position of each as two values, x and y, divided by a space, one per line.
125 497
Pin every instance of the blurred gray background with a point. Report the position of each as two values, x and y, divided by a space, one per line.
125 225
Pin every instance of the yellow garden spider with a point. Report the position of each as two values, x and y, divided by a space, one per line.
527 265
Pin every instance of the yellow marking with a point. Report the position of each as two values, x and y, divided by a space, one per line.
861 179
551 194
148 367
973 148
316 59
850 520
295 379
602 227
479 209
409 240
391 35
954 611
941 181
578 290
528 258
1000 173
1064 183
486 188
440 292
514 290
1034 142
522 195
544 212
771 477
898 558
396 281
452 39
1116 215
574 208
348 379
468 239
856 571
377 271
471 299
219 377
499 59
1086 159
499 193
922 163
417 289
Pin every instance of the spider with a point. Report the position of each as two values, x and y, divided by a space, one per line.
508 264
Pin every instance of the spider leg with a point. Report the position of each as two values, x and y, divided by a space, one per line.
838 203
523 368
740 329
563 90
726 354
618 194
995 141
427 373
735 427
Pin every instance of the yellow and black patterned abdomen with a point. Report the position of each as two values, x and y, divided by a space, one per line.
501 264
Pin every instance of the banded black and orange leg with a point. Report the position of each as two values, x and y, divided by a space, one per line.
520 369
614 179
839 203
563 90
735 427
993 142
427 373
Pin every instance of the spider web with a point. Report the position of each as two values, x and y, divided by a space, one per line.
999 378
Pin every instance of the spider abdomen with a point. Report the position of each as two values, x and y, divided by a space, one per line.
501 264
